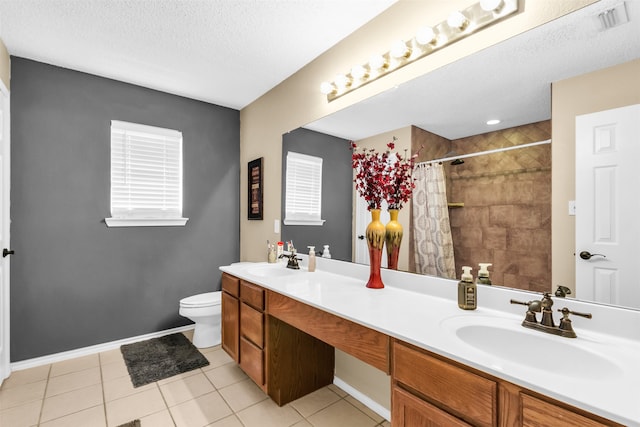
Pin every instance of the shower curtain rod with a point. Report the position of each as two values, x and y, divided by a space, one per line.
481 153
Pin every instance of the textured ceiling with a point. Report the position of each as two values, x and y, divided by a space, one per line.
227 52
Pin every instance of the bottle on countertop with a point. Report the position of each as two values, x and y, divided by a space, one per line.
312 259
280 250
466 290
483 274
325 252
271 253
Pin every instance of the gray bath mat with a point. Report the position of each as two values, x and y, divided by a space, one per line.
159 358
134 423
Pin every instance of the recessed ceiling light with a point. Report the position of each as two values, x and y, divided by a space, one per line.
493 122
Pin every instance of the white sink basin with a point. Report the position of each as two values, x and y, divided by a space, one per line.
271 270
507 340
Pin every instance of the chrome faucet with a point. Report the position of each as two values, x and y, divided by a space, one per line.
565 329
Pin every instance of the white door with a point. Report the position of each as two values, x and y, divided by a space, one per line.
363 218
5 176
607 206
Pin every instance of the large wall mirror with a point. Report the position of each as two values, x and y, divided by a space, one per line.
511 81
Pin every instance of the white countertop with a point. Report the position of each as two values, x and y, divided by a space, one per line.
602 378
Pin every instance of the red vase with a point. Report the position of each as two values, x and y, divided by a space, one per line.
393 238
375 242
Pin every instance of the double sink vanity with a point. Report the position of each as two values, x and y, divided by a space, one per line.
448 367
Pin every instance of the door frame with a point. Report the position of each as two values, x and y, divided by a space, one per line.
5 359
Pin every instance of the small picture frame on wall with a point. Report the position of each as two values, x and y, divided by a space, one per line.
255 189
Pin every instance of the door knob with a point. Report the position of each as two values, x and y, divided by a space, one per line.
361 237
588 255
6 252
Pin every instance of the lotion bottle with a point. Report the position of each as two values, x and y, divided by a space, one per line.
483 274
466 290
312 259
325 252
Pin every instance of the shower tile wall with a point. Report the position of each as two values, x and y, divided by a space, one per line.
506 218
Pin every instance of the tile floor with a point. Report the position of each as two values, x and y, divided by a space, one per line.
96 391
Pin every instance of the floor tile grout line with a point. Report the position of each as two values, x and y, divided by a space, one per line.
166 405
46 386
104 396
369 416
319 410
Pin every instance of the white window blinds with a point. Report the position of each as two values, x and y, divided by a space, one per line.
146 172
303 188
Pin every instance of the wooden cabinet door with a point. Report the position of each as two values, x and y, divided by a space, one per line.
411 411
231 326
538 413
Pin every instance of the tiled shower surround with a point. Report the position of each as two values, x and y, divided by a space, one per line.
506 217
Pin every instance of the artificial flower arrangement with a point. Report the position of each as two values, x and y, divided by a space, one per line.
383 176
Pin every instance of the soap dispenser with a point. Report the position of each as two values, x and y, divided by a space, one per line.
466 290
325 252
483 274
312 259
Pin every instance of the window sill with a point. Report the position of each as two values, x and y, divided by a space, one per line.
303 222
146 222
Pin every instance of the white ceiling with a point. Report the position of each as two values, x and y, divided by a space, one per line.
226 52
510 81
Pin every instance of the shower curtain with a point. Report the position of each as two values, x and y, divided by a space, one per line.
431 228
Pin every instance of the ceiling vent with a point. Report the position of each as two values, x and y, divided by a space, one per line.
613 17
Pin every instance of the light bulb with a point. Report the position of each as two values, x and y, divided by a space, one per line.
493 122
342 81
377 62
400 49
491 5
457 20
327 88
359 72
425 36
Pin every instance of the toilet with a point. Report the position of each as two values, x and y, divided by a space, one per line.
205 311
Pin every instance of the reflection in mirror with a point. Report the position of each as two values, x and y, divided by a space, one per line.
500 203
510 81
336 198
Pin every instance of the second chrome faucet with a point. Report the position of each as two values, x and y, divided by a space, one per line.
564 329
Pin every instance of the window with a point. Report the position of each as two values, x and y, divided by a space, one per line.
303 188
146 176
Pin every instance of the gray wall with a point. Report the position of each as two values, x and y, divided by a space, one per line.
337 198
75 282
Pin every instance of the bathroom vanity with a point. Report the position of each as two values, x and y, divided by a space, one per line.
282 326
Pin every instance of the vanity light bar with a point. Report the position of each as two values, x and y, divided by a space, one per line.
457 26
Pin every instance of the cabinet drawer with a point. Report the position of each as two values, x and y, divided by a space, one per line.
252 324
538 413
252 295
463 393
231 284
252 361
410 411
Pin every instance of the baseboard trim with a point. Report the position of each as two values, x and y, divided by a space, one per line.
85 351
363 398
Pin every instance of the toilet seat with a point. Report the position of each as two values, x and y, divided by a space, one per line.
202 300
